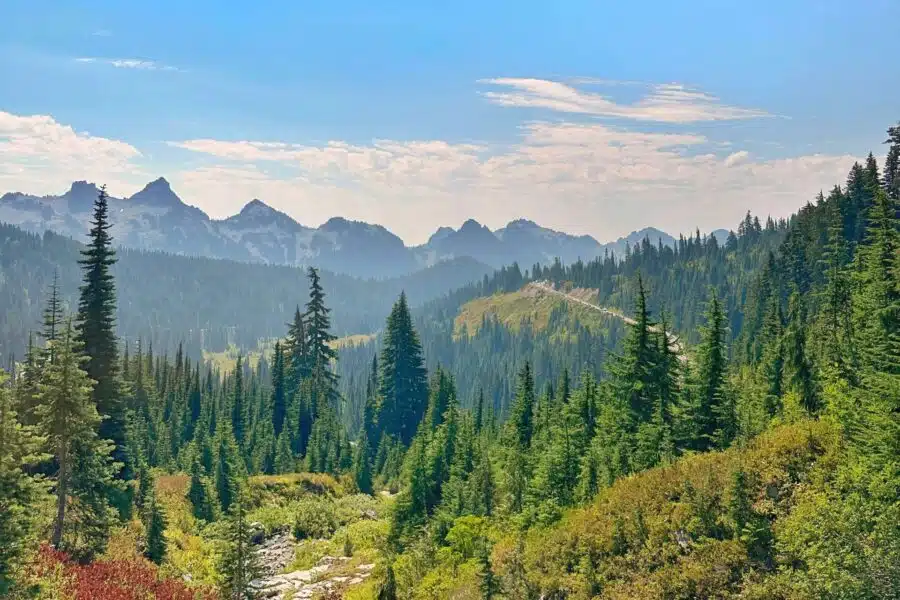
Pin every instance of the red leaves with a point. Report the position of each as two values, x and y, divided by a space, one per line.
135 579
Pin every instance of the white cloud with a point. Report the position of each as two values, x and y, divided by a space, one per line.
667 103
102 33
127 63
582 178
41 156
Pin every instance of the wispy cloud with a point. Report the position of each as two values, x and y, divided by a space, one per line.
128 63
665 103
40 155
102 33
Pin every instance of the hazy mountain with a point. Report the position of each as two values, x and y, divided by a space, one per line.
155 218
637 237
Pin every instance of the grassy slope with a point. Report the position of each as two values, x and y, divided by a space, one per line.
526 305
668 533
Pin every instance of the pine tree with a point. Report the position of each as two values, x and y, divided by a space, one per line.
229 469
239 566
711 411
479 410
53 316
201 494
239 409
155 526
96 326
892 164
635 371
68 421
489 586
403 389
362 468
522 414
19 491
297 359
799 369
839 350
279 393
318 330
387 590
772 360
284 455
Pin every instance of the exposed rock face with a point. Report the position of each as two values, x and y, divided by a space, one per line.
310 583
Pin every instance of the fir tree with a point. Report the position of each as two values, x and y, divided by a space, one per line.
362 468
403 388
239 566
799 369
201 494
318 331
711 411
279 393
284 455
155 526
96 325
489 586
239 409
522 414
53 316
892 164
772 360
229 469
68 421
19 491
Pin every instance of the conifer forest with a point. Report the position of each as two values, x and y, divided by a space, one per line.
714 418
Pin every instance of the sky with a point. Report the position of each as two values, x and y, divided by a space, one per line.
590 117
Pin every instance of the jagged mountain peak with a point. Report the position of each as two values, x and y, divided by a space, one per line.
157 193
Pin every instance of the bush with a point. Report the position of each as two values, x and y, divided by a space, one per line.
135 579
315 518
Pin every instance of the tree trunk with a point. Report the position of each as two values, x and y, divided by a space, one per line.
61 491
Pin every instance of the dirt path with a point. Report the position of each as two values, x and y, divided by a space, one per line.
548 287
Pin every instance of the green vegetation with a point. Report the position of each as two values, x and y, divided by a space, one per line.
761 460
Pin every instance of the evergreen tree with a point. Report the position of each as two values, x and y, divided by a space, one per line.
489 586
318 330
297 361
68 421
201 494
239 565
53 316
279 392
96 325
892 164
403 388
239 409
772 360
522 414
229 469
387 590
635 372
710 414
155 526
362 468
799 369
19 491
284 455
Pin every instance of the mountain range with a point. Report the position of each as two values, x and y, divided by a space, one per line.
155 218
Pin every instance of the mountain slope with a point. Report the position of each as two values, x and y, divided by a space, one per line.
155 218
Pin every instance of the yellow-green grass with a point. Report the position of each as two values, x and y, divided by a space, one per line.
529 304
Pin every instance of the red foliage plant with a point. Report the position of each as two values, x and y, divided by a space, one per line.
134 579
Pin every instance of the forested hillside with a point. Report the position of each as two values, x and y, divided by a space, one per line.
201 303
761 459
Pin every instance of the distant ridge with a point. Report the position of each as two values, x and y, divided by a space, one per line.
155 218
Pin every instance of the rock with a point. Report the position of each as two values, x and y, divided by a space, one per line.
257 533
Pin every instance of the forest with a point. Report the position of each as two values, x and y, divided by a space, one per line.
757 458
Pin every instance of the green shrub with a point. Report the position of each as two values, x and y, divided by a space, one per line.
315 518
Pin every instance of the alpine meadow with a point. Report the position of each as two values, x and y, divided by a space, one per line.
203 401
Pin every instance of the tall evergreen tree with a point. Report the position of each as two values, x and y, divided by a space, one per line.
892 164
403 389
799 369
239 566
522 414
319 336
19 491
96 325
711 413
279 392
69 421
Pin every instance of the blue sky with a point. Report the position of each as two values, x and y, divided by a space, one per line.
592 117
